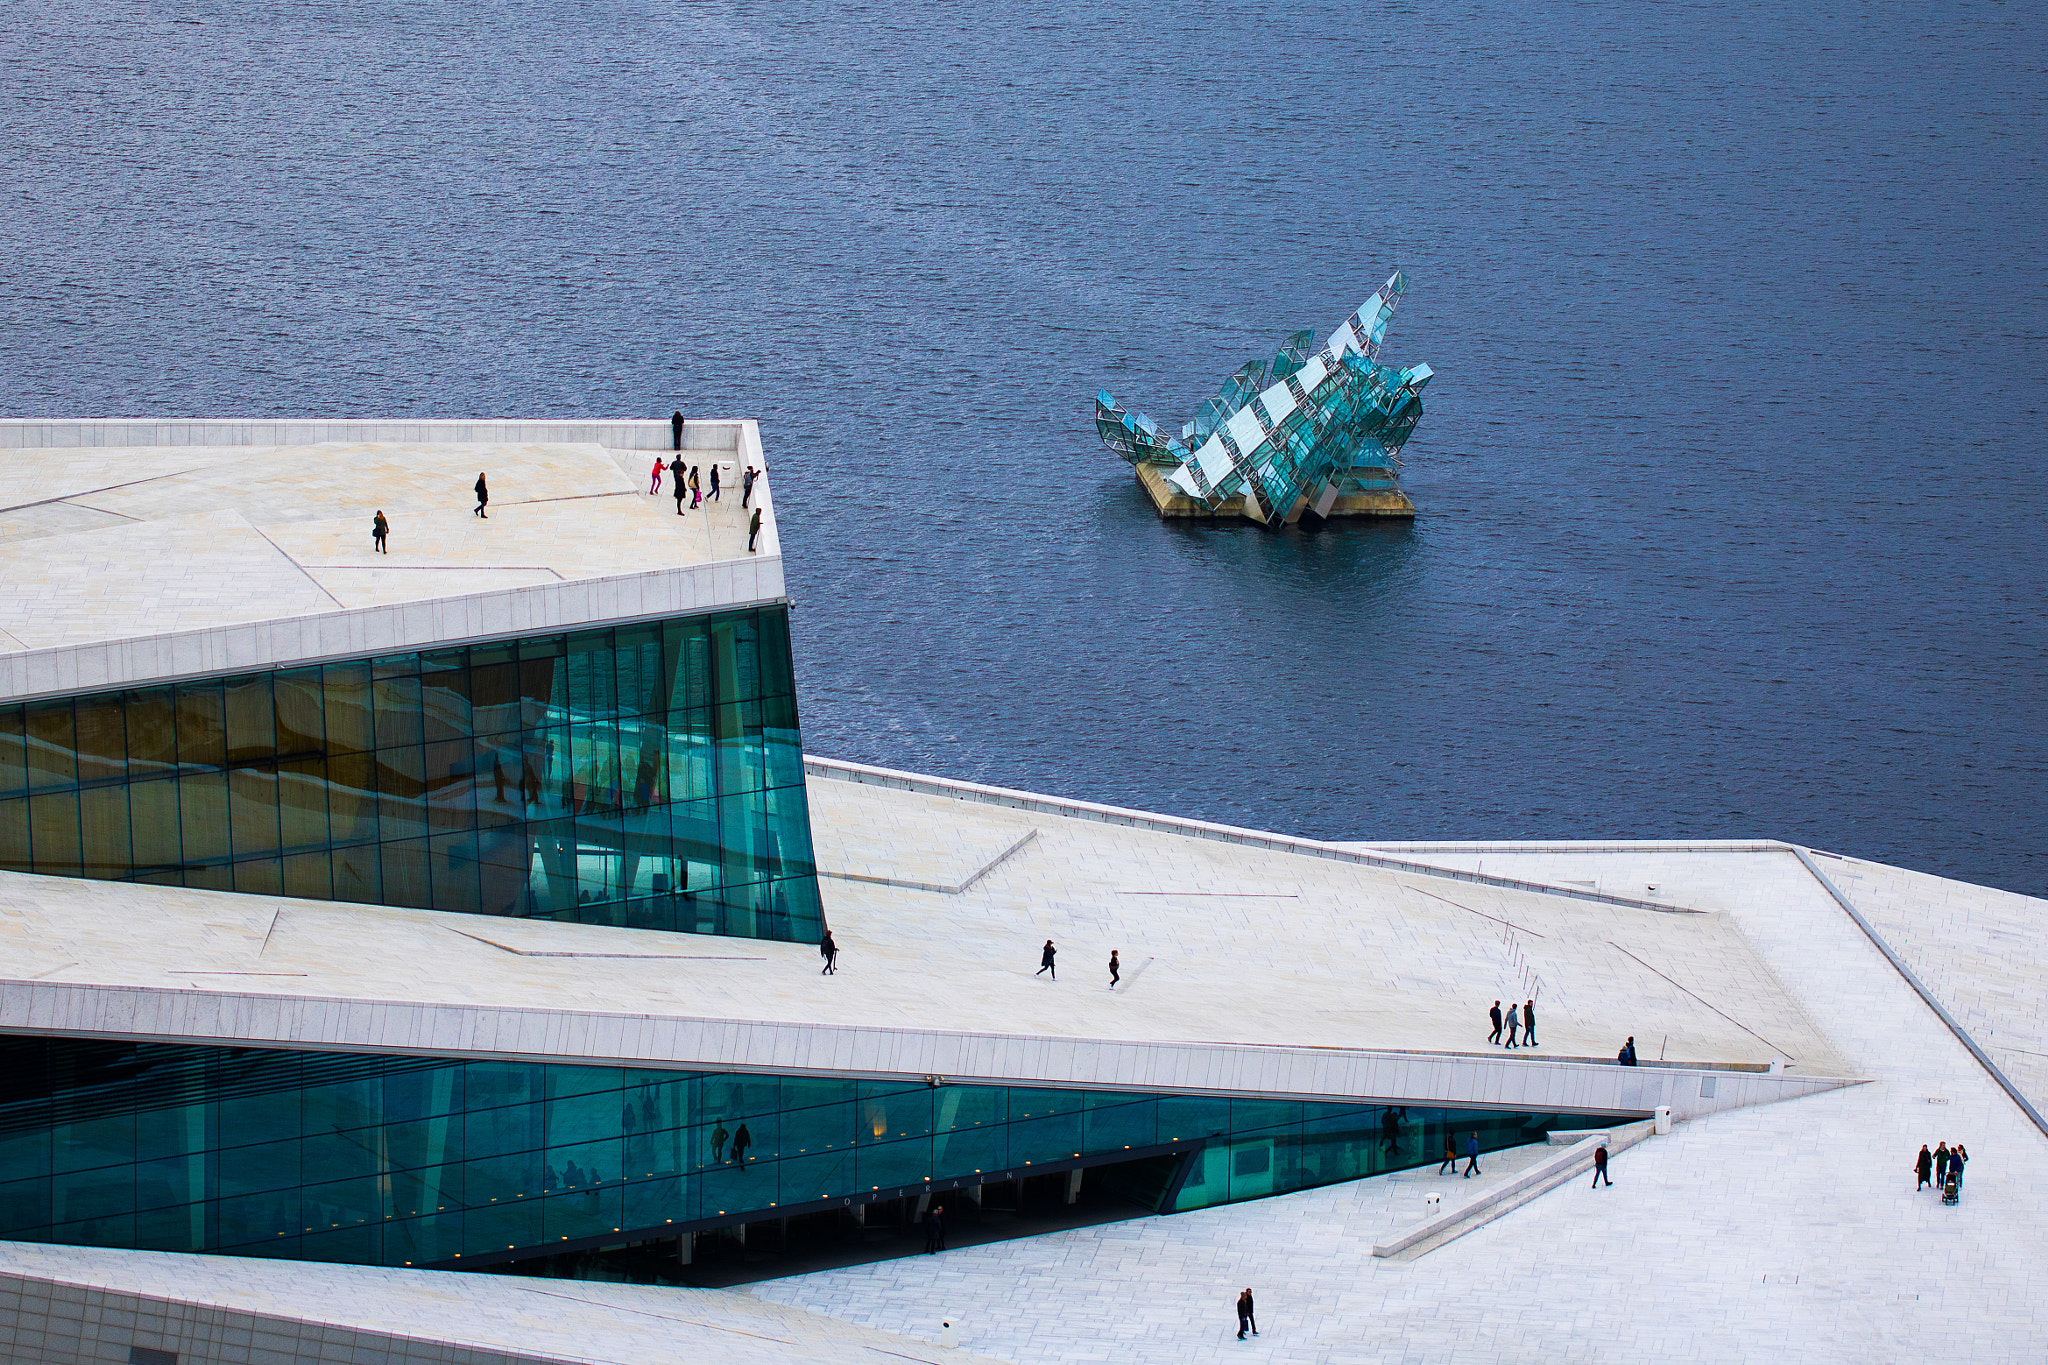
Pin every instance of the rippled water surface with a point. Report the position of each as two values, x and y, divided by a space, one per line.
1732 519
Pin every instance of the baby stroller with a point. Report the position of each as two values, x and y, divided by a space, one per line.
1951 1189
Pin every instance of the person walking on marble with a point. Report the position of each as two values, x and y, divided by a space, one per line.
1528 1023
829 950
1450 1155
1600 1166
1045 958
746 485
675 478
654 479
1514 1024
675 427
1941 1165
1472 1157
696 486
1956 1157
1495 1015
1924 1168
753 530
1247 1314
1116 970
380 531
483 497
713 495
1627 1055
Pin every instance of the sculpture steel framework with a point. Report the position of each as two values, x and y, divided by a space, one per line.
1309 430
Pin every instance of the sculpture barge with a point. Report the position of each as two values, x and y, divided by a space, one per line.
1310 432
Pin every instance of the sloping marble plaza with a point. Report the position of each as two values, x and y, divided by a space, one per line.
363 917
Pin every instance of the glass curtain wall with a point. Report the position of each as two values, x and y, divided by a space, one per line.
410 1161
647 775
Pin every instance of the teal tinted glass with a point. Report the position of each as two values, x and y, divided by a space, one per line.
648 776
418 1161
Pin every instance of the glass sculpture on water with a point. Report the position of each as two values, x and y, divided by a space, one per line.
1292 434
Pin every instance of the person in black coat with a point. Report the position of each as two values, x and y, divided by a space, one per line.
1600 1166
483 496
1494 1014
829 950
1247 1314
675 427
1924 1168
1528 1023
682 487
741 1140
380 530
1046 956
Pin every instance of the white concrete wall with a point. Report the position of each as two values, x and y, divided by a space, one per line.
560 1035
53 1323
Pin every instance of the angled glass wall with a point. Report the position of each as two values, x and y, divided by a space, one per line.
647 775
410 1161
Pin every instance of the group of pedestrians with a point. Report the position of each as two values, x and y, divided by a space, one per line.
686 482
380 525
1048 957
1943 1163
1451 1155
689 481
1518 1024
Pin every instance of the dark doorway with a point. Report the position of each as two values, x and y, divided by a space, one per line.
889 1228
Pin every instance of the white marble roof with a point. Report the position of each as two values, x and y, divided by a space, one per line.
170 546
1243 968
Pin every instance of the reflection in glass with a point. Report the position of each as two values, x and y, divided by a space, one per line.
649 776
413 1161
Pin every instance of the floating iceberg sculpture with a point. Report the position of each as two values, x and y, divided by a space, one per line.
1310 430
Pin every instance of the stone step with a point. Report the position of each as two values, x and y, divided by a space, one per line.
1511 1194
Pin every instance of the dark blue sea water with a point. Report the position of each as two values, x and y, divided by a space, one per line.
1731 480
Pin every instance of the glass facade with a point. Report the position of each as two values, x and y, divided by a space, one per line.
647 775
388 1160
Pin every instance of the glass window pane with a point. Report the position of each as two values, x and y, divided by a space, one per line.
102 738
52 746
152 732
13 752
202 725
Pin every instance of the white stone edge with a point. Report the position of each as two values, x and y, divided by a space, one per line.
839 770
45 433
577 1037
438 622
